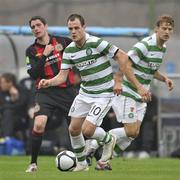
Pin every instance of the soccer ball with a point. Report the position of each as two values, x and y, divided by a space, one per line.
66 161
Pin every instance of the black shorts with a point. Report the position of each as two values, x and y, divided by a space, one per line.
50 99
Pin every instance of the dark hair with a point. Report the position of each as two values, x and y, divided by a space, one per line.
165 18
72 17
9 78
37 18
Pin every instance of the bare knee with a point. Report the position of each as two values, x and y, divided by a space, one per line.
88 129
75 126
132 132
39 127
40 124
88 132
74 131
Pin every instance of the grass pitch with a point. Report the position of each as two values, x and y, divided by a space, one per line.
13 168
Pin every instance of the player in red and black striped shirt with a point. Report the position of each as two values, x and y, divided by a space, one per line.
43 59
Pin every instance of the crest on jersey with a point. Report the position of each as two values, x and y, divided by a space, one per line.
59 47
131 115
88 51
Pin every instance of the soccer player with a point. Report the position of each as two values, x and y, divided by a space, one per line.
90 55
144 62
43 59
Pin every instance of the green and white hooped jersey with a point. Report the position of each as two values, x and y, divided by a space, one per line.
92 61
146 57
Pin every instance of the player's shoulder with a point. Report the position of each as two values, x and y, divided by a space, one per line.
149 39
30 48
65 41
70 47
92 38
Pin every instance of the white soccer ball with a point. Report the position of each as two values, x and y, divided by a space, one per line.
66 161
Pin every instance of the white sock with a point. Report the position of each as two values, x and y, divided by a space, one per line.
101 136
78 145
122 140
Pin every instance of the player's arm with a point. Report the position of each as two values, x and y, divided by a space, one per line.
118 83
145 94
35 64
161 77
121 57
58 79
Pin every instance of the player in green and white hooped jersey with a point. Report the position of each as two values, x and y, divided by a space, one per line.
145 59
90 55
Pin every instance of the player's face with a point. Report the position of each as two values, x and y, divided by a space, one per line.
164 31
38 29
77 31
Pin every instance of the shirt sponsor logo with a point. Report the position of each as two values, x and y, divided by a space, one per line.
57 55
154 66
86 63
53 59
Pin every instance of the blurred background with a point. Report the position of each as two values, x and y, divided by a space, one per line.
164 121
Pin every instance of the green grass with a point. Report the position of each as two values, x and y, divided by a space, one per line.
13 168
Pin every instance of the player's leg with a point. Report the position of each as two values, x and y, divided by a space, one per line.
42 110
78 143
130 113
92 130
78 112
36 140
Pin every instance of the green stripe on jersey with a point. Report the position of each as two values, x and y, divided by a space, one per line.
105 51
96 69
131 96
140 54
98 81
67 61
110 90
143 81
143 69
126 83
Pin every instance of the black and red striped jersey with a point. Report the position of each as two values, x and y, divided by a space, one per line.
46 67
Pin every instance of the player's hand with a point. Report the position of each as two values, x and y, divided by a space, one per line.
117 89
44 83
170 84
14 93
145 94
48 49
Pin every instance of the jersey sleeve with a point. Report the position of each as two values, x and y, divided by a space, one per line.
66 61
138 52
106 48
35 65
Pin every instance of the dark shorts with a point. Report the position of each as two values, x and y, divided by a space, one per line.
50 99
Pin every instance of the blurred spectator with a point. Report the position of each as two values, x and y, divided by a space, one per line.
13 107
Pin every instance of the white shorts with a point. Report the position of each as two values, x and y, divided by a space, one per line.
92 109
128 110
